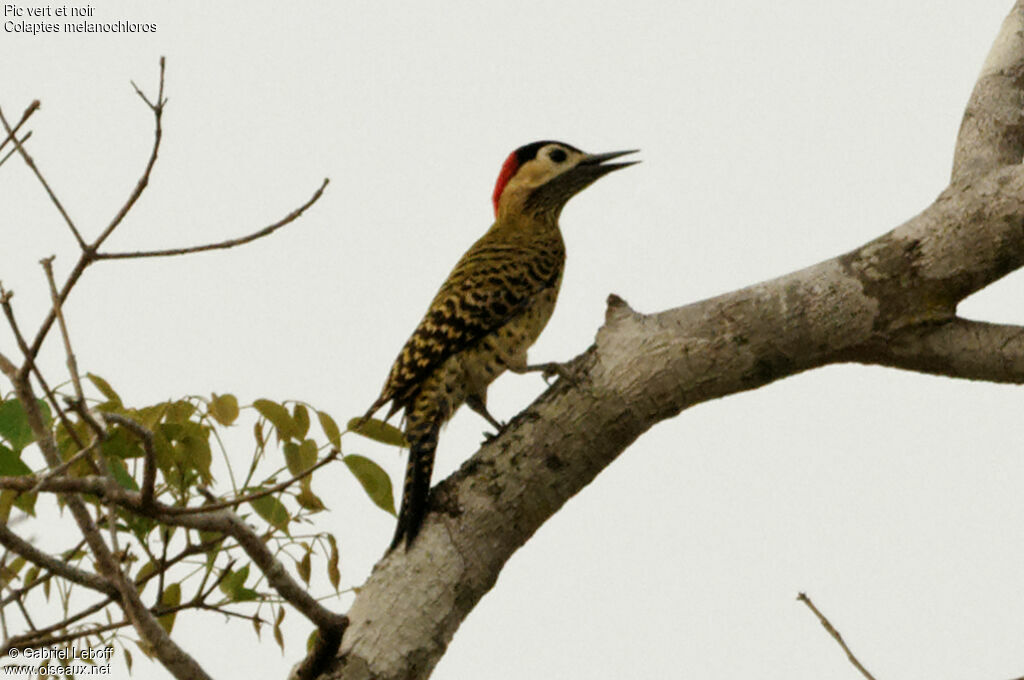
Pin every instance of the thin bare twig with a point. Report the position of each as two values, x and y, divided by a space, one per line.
15 150
62 468
47 263
39 175
835 634
222 245
235 502
24 641
32 108
140 186
28 639
24 590
20 546
83 412
12 321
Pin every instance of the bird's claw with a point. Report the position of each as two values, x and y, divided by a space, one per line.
553 369
491 436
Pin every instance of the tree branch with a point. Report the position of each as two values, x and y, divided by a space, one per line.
891 301
835 634
17 545
26 114
992 131
149 462
960 348
221 245
140 186
30 162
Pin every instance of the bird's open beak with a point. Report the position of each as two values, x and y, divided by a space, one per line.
599 158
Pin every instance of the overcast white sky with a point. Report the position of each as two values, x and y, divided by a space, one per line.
773 135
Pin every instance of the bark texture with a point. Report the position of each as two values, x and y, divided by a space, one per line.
892 302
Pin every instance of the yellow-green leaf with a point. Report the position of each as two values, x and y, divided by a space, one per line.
273 511
171 598
145 574
7 497
120 474
330 429
14 425
307 499
378 430
179 411
279 417
375 481
305 567
11 464
104 387
224 408
234 583
278 637
300 414
300 457
333 573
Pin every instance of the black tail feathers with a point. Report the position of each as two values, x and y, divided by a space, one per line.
416 494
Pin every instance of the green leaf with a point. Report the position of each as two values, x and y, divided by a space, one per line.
245 595
26 502
305 567
105 389
145 574
300 457
375 481
7 497
273 511
379 431
11 465
10 571
224 408
14 425
233 586
120 474
179 411
333 573
120 445
196 450
30 576
278 636
330 429
300 414
171 598
307 499
279 417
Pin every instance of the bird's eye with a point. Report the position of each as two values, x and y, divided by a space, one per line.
557 155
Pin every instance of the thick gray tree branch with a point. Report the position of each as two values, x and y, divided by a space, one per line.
892 301
959 349
992 131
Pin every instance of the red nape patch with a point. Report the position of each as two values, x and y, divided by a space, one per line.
507 171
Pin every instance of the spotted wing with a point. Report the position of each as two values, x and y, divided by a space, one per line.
489 286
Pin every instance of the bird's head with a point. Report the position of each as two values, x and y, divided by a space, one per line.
541 177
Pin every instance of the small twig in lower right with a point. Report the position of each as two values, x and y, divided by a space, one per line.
835 634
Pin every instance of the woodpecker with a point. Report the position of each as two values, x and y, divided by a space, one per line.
489 311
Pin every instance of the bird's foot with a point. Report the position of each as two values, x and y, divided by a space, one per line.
491 436
551 369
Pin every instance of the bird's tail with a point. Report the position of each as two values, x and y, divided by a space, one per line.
422 435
